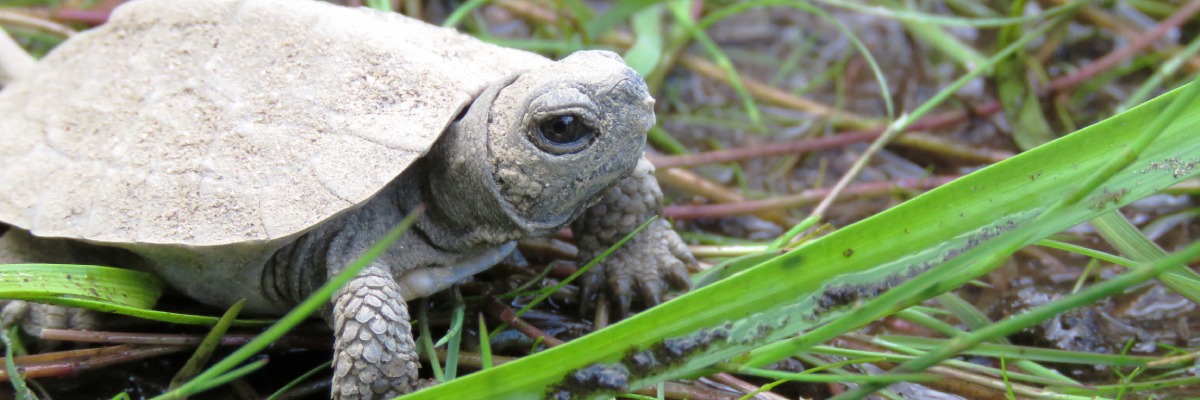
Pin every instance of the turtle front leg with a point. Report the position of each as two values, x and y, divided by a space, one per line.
374 353
649 262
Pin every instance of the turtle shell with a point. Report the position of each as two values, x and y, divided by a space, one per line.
204 123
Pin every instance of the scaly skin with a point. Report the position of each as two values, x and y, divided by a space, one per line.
34 317
18 246
494 176
374 355
648 262
374 352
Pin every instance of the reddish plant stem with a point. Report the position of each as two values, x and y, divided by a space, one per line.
1110 60
72 362
701 186
812 144
1104 63
508 316
86 17
162 339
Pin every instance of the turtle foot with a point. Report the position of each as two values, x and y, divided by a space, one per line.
34 317
374 353
17 246
649 263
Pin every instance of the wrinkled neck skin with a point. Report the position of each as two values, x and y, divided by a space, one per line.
464 208
488 180
464 215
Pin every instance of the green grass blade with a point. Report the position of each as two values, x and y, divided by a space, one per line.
989 255
1114 390
818 282
456 334
1168 68
1099 255
425 342
296 382
106 289
937 38
298 314
974 319
647 49
461 12
381 5
1017 94
942 20
203 352
231 375
620 11
485 345
546 292
681 11
48 283
1029 353
21 391
1029 318
1117 231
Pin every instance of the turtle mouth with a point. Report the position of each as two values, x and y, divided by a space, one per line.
529 224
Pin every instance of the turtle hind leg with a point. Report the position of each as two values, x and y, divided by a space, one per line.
374 353
34 317
17 246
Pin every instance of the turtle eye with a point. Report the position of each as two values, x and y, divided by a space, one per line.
563 134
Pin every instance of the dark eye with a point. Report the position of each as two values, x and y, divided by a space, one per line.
562 134
563 129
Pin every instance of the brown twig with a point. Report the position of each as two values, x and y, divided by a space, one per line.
14 18
955 150
752 152
163 339
746 387
469 359
805 197
932 122
699 185
773 96
86 17
675 390
72 362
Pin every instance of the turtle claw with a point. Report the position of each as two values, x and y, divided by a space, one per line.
34 317
651 293
622 295
645 267
590 285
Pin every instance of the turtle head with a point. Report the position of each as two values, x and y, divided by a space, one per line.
549 140
563 133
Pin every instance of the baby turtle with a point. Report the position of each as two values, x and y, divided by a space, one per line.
250 149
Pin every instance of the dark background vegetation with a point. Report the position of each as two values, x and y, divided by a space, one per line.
758 118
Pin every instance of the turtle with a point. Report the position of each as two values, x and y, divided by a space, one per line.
250 149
